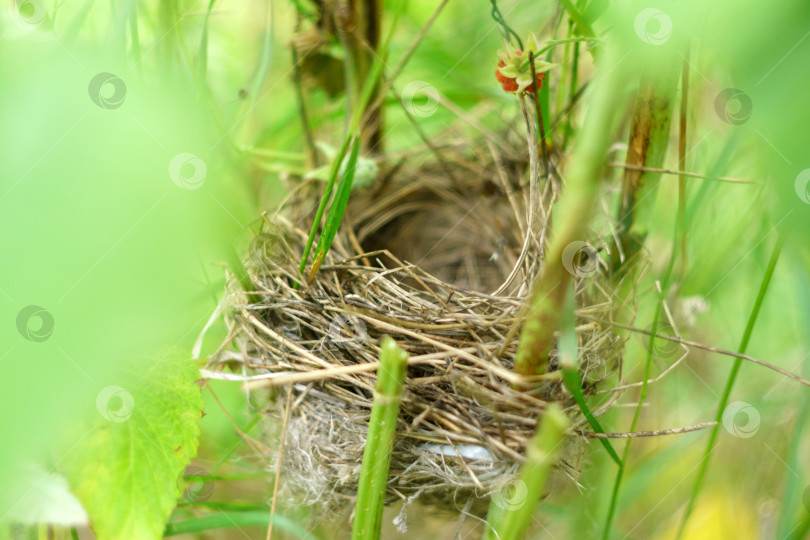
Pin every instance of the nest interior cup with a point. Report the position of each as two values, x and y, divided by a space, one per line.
443 266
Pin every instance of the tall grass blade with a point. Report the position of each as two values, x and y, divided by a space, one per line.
569 360
732 377
327 192
795 485
336 211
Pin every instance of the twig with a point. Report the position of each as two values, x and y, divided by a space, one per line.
681 173
709 348
657 433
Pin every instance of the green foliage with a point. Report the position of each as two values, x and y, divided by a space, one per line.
126 469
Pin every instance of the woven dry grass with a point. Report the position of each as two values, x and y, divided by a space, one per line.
440 257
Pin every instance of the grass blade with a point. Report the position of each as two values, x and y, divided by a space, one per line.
336 211
569 360
732 377
380 441
794 485
336 214
327 191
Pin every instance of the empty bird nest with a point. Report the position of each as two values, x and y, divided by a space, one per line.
440 256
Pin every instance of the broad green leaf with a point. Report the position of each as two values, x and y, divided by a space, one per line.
126 470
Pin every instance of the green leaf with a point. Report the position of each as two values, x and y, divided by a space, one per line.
336 211
126 470
327 191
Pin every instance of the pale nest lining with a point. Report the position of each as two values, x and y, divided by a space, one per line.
462 427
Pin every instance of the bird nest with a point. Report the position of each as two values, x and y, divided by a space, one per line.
440 257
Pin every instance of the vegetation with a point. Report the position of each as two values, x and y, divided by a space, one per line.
143 141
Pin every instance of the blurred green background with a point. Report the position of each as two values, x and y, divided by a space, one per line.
101 231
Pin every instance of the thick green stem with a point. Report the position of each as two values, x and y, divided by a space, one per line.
380 442
575 208
509 517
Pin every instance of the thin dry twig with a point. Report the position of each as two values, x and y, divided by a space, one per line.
682 173
656 433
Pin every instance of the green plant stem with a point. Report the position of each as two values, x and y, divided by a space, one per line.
541 454
309 140
576 204
505 28
732 377
541 129
380 442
